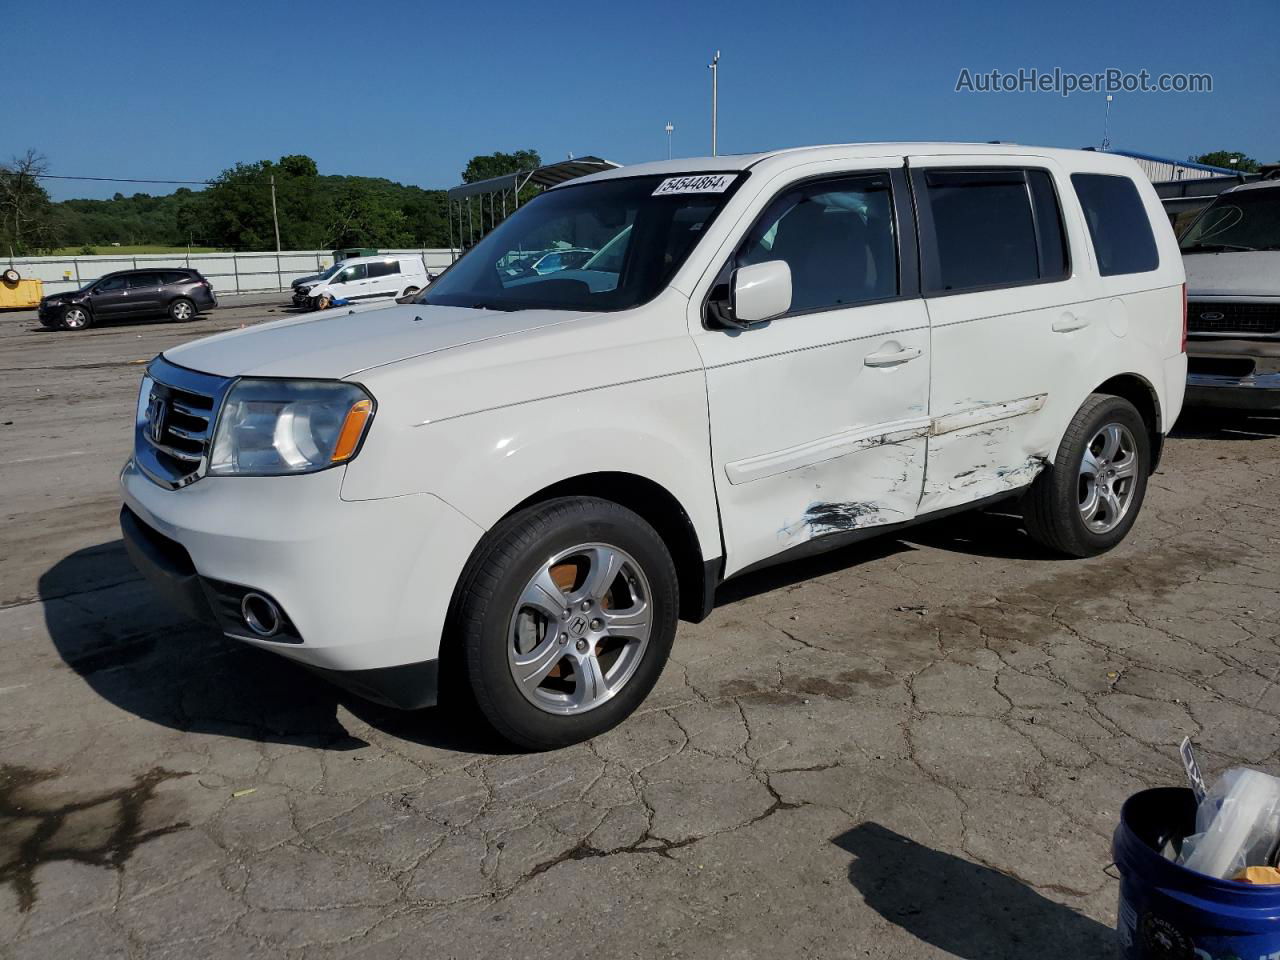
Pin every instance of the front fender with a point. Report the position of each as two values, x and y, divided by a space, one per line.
485 463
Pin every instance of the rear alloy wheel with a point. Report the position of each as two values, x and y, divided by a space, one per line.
566 615
76 318
1087 500
182 310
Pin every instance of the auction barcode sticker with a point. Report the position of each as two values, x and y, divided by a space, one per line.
707 183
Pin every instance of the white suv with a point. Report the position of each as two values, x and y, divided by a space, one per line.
513 488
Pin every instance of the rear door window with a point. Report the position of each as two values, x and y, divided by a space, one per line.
1118 223
137 280
384 268
985 231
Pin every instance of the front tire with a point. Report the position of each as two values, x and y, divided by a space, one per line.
182 310
1088 499
565 618
76 318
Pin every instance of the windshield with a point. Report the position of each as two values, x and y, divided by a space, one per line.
548 254
1241 220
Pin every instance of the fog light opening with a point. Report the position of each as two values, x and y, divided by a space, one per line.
260 614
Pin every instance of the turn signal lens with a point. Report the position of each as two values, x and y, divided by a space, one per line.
352 430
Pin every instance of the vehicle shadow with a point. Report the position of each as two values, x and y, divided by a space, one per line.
962 908
1226 425
110 629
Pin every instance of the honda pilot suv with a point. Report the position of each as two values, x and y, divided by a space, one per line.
512 489
175 292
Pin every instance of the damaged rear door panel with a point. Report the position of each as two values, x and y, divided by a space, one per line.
1010 321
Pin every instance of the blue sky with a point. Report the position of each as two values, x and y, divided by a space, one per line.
410 91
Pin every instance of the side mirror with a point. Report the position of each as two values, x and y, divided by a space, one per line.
761 291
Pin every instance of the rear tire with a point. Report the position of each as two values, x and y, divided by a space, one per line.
182 310
1088 499
602 638
76 318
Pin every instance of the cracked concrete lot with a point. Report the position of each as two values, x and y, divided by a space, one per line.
912 748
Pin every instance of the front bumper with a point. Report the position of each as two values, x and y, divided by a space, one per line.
365 585
1233 374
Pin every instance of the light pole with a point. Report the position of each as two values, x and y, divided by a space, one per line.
1106 125
714 65
669 128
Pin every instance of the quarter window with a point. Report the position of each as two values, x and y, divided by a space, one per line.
838 239
986 233
1118 223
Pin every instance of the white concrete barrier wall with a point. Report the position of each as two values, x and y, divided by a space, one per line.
228 273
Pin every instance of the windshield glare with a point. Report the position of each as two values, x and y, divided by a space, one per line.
607 245
1243 220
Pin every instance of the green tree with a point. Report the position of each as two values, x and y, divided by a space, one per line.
488 165
1223 158
28 222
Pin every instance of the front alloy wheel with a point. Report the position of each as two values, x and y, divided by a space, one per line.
580 628
562 621
75 318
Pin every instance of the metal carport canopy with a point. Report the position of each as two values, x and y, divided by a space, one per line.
547 175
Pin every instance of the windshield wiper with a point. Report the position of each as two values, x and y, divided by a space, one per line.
1215 248
489 305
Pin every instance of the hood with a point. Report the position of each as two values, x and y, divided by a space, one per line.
336 343
1237 273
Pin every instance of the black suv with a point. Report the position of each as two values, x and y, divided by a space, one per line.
180 293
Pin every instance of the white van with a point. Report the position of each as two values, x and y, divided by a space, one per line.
360 279
512 489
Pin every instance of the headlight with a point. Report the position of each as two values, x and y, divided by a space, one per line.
144 400
304 290
274 427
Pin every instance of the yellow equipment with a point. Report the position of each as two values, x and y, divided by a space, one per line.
16 292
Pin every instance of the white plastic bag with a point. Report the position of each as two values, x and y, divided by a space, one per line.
1237 825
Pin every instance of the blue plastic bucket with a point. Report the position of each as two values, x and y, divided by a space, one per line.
1168 912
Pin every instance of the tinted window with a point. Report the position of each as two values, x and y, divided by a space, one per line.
176 276
111 283
984 228
384 268
354 272
1118 223
144 280
1054 262
837 238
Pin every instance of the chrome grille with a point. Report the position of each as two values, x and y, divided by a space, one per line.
175 432
1225 317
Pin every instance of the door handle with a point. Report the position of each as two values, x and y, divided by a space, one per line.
1069 321
891 358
